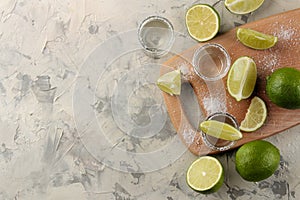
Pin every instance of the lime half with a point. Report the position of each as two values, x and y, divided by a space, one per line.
242 78
220 130
205 175
243 6
170 82
255 116
203 22
255 39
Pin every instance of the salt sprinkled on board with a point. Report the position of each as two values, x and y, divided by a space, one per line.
268 62
185 71
213 105
188 134
286 37
285 33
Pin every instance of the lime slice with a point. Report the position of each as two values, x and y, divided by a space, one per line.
203 22
243 6
242 78
205 175
170 82
255 116
220 130
255 39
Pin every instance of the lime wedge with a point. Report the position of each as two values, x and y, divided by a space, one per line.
205 175
170 82
255 39
255 116
203 22
243 6
242 78
220 130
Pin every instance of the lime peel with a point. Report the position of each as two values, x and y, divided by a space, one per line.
283 89
257 160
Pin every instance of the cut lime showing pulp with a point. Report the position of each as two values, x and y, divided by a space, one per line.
243 6
220 130
205 175
170 82
242 78
203 22
255 39
255 116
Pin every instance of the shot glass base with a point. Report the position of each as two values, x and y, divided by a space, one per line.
216 143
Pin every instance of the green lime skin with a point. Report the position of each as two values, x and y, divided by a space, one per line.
257 160
283 87
216 187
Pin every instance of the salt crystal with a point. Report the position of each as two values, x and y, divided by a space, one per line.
213 105
269 61
188 135
285 33
185 71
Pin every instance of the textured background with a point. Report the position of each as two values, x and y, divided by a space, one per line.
43 45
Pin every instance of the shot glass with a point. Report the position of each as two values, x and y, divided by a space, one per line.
211 62
156 35
216 143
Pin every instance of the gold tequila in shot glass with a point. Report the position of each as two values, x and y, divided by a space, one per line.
156 35
211 62
217 143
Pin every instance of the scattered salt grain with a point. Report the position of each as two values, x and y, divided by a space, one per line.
185 71
213 105
268 62
285 32
287 36
188 135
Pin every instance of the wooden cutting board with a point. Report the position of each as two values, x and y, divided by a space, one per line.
286 52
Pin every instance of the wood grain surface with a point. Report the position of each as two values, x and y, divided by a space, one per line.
286 52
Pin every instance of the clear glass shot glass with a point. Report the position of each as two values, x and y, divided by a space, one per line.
156 35
211 62
216 143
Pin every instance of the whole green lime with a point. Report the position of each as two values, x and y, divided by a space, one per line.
283 87
257 160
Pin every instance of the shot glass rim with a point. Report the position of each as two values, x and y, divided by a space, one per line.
170 27
226 55
231 143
